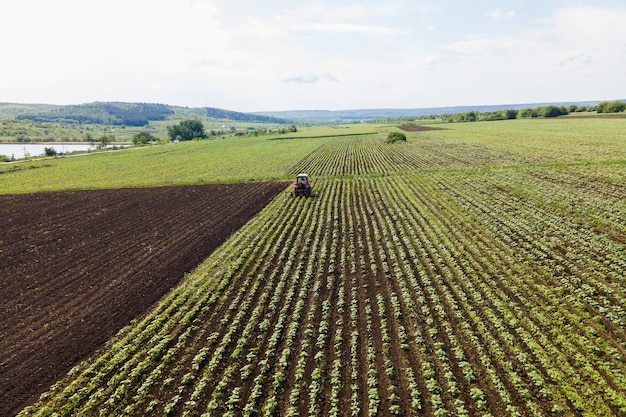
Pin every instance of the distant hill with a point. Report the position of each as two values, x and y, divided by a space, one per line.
116 113
343 116
243 117
129 114
226 115
140 114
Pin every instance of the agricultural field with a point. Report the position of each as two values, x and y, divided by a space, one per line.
77 266
476 270
192 162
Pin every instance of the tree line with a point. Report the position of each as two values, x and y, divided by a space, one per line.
542 111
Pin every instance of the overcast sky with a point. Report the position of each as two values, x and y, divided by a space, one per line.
251 55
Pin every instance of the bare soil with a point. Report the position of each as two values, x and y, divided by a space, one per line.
75 267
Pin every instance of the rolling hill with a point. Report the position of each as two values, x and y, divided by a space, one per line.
117 113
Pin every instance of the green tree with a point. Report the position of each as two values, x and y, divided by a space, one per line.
105 140
394 137
611 107
528 113
143 138
509 114
187 130
553 111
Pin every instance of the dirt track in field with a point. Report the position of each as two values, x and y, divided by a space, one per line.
75 267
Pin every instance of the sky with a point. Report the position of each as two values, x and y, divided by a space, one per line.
251 55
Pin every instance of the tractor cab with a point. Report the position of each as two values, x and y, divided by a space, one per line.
302 185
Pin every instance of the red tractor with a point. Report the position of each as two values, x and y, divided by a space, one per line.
302 186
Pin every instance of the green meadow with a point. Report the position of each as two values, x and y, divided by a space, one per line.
566 140
194 162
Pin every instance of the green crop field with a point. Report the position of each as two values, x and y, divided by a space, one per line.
462 145
194 162
476 270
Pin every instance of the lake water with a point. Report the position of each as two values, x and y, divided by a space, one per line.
20 150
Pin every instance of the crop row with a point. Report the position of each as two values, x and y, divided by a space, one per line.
413 295
361 155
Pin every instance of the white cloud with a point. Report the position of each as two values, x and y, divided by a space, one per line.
434 60
489 46
574 60
250 56
348 28
311 78
499 14
576 53
585 40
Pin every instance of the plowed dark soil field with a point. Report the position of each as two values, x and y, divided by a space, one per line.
75 267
